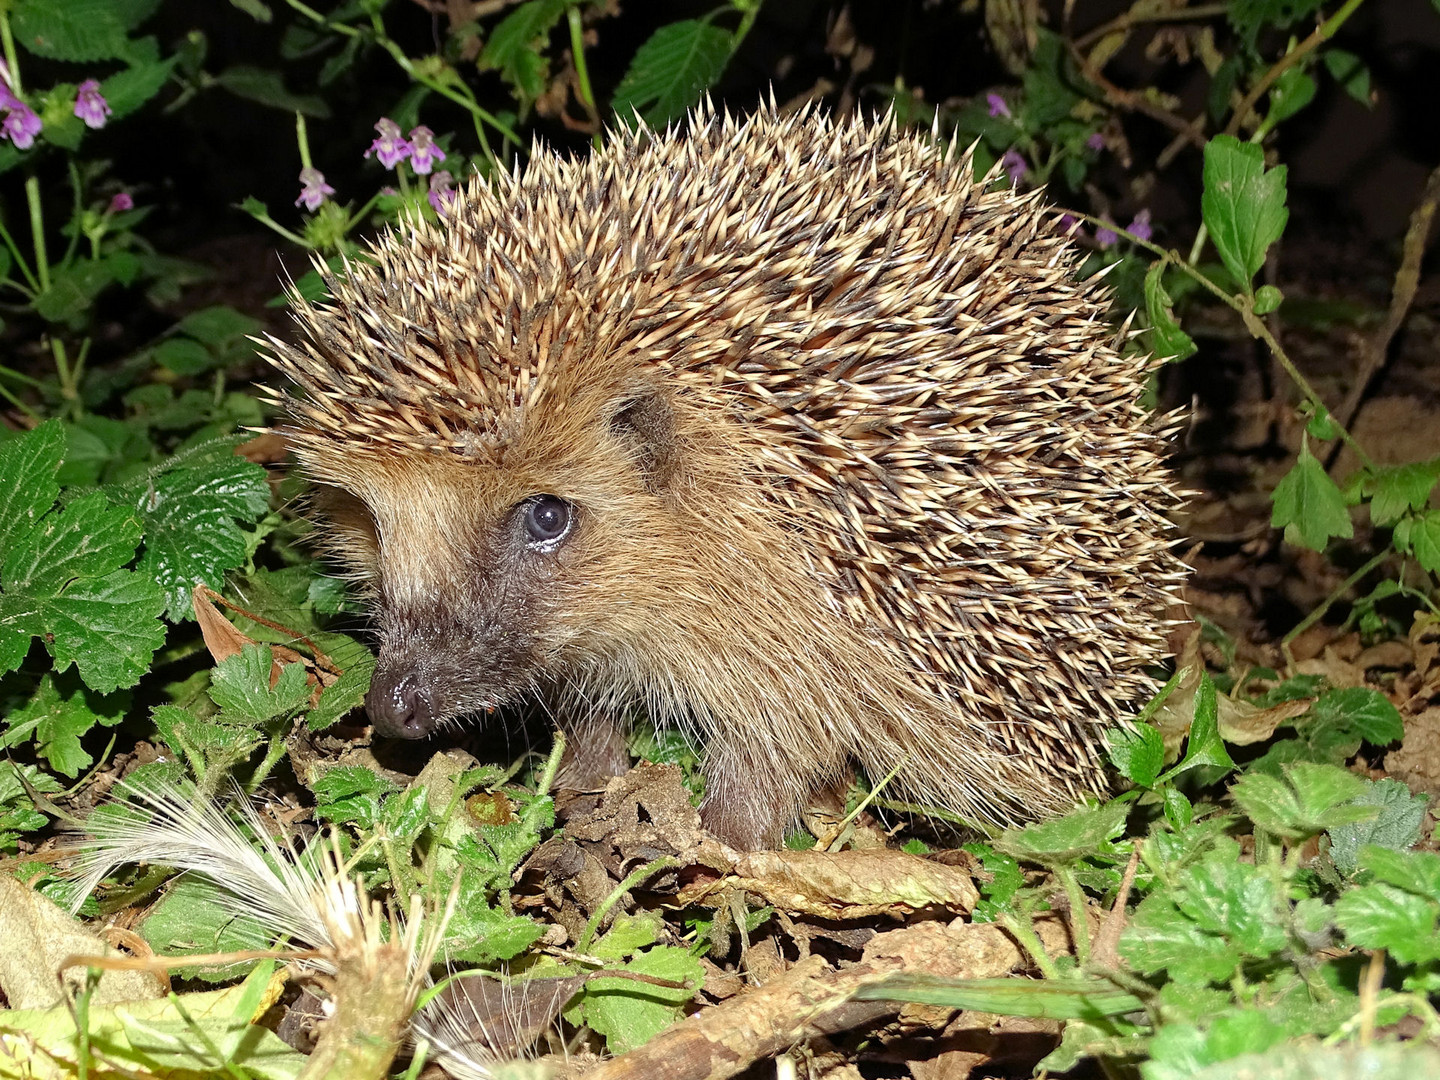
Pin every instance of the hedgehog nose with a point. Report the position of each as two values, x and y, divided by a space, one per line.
400 707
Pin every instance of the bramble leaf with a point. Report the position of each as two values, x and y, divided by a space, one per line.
672 70
1308 505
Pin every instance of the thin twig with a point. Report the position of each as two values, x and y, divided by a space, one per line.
1407 281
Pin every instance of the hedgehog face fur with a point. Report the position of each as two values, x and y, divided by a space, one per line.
787 430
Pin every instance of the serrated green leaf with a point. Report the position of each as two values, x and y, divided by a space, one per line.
267 87
1249 17
343 695
1397 827
1160 937
1310 799
1234 900
1396 489
628 1014
1138 753
88 538
188 508
27 482
481 934
190 919
515 47
1064 839
1414 871
1360 711
57 716
1243 204
1420 536
241 687
79 31
672 70
127 91
1381 916
1308 505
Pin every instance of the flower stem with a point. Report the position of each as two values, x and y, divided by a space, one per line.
37 229
18 258
7 41
302 139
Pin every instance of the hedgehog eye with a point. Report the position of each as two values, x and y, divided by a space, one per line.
547 520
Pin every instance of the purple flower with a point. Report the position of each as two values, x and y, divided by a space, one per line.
1014 165
21 125
998 107
121 201
1096 142
423 151
390 148
1105 237
313 189
1067 224
442 191
1140 227
90 106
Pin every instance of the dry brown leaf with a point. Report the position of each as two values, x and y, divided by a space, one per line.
38 935
843 884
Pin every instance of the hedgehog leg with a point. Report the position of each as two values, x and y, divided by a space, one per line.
751 795
596 749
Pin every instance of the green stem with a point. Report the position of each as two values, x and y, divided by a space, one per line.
37 229
1079 918
7 40
631 880
1345 586
62 369
18 258
582 70
1030 941
302 139
15 401
268 221
1244 306
70 248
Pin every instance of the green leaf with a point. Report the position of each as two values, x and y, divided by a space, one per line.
267 87
1308 505
1138 753
127 91
18 815
346 693
27 481
1267 299
672 70
1397 828
73 290
1243 204
218 326
1381 916
1360 711
1050 83
481 934
60 712
1350 72
185 356
191 919
627 1013
1168 341
1293 90
189 506
1417 872
517 42
241 687
1204 745
1160 937
1308 801
80 31
1234 900
1420 536
1065 839
1249 17
1396 489
349 794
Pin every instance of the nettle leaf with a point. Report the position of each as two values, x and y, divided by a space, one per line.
1360 711
80 31
1309 506
481 934
1311 799
1243 204
349 793
267 87
1065 839
1397 827
672 70
1381 916
126 91
1139 754
241 687
61 576
1235 900
1160 937
1396 489
1167 340
55 718
189 506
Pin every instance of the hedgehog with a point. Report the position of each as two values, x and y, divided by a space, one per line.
787 430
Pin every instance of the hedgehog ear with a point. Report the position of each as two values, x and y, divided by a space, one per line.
644 421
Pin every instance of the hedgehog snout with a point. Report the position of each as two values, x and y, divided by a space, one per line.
400 705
